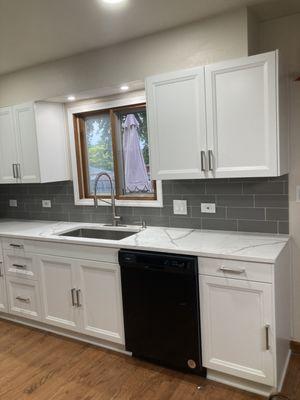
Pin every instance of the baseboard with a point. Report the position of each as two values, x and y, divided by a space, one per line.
286 365
295 346
239 383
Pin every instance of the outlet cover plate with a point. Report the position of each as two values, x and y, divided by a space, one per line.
180 207
13 203
46 203
208 208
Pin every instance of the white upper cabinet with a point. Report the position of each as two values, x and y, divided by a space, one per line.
227 127
242 117
176 119
8 147
32 135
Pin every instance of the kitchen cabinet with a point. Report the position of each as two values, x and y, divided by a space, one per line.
31 135
100 300
176 121
3 298
23 298
220 121
8 146
58 290
87 299
238 328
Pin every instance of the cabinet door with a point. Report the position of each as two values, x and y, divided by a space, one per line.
100 300
8 147
57 282
241 103
237 328
176 123
27 143
3 298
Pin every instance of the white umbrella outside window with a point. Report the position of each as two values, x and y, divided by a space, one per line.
136 177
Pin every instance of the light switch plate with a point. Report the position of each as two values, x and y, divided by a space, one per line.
209 208
180 207
13 203
46 203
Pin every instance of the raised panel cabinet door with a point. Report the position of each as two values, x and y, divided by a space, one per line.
100 300
176 123
8 147
237 328
3 297
28 168
242 128
58 289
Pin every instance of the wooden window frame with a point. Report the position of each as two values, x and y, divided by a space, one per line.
81 154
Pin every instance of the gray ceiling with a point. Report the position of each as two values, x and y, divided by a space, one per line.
36 31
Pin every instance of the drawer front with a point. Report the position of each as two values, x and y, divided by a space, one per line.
22 266
236 269
24 298
17 245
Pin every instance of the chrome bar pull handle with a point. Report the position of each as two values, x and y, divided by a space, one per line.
267 331
17 246
73 297
78 291
203 161
14 170
21 266
232 270
210 160
18 171
1 273
23 299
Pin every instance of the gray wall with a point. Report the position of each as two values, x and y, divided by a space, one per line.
259 205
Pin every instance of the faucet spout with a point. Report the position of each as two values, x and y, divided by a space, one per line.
112 203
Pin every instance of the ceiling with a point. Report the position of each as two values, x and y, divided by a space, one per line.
37 31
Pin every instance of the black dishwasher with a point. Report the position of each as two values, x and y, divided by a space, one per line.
161 308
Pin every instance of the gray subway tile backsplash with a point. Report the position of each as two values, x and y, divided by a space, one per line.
250 205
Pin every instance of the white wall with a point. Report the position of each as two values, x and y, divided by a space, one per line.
210 40
284 34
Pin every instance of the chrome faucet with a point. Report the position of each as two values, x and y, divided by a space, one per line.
112 203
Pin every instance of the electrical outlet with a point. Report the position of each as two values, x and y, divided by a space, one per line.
180 207
46 203
209 208
13 203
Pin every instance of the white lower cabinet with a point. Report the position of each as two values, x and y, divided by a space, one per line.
58 282
237 328
100 300
3 297
82 295
24 297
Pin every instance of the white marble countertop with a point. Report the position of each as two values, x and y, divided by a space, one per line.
231 245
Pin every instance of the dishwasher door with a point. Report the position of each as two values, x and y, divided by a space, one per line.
161 308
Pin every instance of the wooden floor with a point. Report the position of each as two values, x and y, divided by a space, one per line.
36 365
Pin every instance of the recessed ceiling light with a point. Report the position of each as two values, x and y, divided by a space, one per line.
124 87
71 98
112 1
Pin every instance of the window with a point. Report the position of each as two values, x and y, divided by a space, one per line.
114 141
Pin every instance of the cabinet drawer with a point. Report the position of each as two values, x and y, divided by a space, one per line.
17 245
22 266
24 297
251 271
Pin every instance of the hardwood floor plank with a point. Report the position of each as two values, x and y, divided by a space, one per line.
36 365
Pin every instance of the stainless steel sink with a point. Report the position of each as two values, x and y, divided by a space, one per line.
108 234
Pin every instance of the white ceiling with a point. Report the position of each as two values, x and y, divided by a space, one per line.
36 31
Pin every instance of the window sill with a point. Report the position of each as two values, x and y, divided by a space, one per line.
158 203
